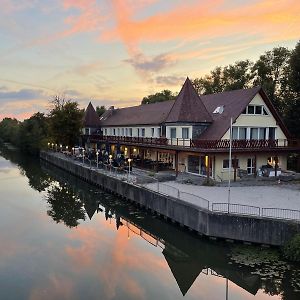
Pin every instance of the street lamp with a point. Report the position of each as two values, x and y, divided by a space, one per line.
48 145
83 156
110 161
56 147
73 151
129 161
52 146
97 154
67 147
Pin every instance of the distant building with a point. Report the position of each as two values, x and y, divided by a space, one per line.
192 133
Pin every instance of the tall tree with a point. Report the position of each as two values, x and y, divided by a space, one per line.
65 121
294 65
9 130
33 133
164 95
271 71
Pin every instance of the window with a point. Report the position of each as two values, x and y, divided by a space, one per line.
158 132
126 131
118 131
87 131
265 113
105 131
233 162
185 133
114 131
272 133
242 133
258 110
254 134
142 131
130 131
235 133
122 131
152 132
138 132
262 134
250 110
173 133
250 165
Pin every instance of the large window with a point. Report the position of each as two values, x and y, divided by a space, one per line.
185 133
239 133
255 110
130 131
142 131
173 133
250 165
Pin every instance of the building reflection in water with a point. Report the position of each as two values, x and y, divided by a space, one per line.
187 256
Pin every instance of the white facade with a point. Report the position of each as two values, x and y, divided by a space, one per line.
133 131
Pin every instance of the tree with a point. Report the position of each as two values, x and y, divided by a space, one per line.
33 133
9 130
164 95
271 71
294 65
100 110
65 121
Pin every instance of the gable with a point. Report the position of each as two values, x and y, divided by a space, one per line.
245 120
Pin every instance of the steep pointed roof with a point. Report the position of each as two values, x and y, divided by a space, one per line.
188 107
91 118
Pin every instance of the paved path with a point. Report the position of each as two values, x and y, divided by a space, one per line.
261 196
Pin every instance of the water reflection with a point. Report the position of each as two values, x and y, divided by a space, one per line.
190 259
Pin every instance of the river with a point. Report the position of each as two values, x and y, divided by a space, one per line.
62 238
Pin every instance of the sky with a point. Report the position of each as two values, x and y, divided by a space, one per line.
115 52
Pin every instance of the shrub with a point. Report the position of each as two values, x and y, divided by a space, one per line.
291 250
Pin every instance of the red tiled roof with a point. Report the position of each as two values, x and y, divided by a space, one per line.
91 118
188 107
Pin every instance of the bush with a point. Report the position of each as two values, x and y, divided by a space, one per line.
291 250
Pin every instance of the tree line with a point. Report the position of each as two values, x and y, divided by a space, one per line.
277 71
61 125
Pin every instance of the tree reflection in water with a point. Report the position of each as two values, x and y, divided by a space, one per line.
64 205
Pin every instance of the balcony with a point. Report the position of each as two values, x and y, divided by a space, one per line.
198 144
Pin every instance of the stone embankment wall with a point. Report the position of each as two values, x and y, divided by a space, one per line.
219 225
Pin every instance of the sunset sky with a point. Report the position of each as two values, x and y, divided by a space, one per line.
115 52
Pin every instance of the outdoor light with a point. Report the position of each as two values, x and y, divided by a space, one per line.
52 145
60 146
97 154
83 156
67 147
129 161
73 150
55 147
48 145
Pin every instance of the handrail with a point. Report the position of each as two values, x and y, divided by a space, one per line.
201 143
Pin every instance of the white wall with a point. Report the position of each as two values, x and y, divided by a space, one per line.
148 131
257 120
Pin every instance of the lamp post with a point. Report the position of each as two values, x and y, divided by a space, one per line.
67 148
129 161
110 161
52 146
48 145
60 146
56 147
97 155
73 150
83 156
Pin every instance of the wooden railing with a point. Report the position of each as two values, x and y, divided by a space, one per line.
201 144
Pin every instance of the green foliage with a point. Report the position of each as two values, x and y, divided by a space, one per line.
33 134
65 121
294 65
277 71
100 110
292 249
164 95
9 130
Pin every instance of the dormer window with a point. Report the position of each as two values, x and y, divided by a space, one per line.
255 110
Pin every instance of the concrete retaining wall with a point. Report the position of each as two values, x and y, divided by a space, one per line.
248 229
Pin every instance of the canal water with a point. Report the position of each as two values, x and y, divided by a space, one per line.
62 238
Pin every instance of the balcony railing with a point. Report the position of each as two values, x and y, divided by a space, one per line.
202 144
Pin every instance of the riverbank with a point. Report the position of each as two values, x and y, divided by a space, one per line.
248 228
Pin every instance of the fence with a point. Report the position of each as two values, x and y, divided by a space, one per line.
238 209
152 183
281 213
